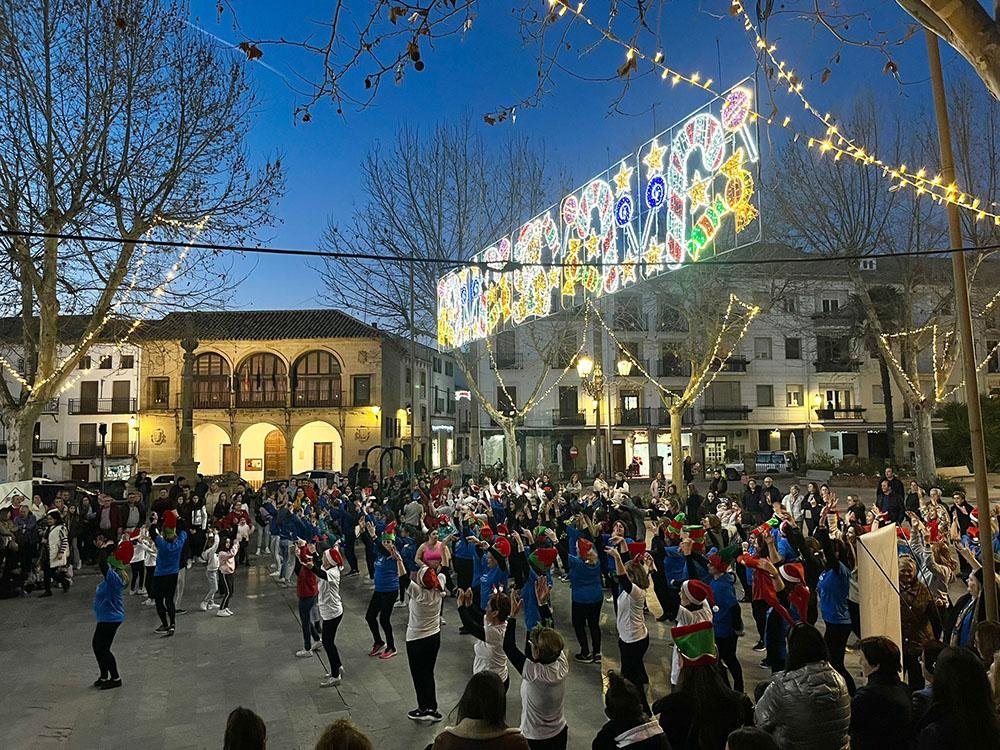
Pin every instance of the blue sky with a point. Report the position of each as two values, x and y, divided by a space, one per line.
490 68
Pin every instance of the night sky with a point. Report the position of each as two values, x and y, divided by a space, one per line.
491 68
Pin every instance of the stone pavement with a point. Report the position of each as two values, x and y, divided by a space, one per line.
178 691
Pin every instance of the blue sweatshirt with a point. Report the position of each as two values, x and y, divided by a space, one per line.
674 565
531 614
489 579
832 589
386 573
109 599
408 551
585 581
724 593
168 554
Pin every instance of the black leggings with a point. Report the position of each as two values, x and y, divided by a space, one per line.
727 655
380 613
552 743
138 575
309 631
588 616
422 656
226 589
835 636
104 635
914 674
668 596
463 571
633 667
164 588
330 643
759 608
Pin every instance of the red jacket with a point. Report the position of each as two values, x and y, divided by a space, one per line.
307 584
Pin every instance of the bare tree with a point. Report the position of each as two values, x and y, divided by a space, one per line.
115 121
429 203
849 214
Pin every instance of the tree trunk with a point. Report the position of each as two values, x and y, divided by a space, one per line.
20 434
677 462
923 443
511 460
890 417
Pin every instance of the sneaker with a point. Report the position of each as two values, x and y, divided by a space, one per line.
759 646
171 630
204 606
229 612
399 605
596 658
161 629
212 606
275 574
100 681
142 591
416 714
330 681
609 598
110 684
387 653
377 649
564 578
223 613
431 717
148 603
180 611
585 658
302 653
317 645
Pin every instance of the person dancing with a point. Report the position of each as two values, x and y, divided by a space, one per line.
633 637
331 610
386 575
423 638
109 610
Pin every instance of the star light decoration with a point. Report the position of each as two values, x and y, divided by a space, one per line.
654 159
698 192
623 180
739 190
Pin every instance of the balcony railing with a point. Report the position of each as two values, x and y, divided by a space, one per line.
318 399
853 412
503 361
120 449
726 413
663 417
38 447
261 399
837 365
733 364
83 450
211 400
672 368
101 405
51 406
568 417
839 318
633 417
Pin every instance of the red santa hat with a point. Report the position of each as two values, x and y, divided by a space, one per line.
502 530
486 533
502 546
122 556
697 536
430 580
699 592
170 523
792 572
135 534
542 558
637 550
333 557
583 547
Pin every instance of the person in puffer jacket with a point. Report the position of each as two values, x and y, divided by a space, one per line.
807 706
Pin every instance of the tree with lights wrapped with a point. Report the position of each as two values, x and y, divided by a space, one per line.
119 122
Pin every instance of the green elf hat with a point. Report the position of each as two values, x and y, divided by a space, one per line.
695 643
389 532
676 524
122 556
696 534
540 534
542 558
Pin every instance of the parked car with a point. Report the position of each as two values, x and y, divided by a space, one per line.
776 462
319 476
78 493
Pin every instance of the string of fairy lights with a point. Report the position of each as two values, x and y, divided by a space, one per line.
832 142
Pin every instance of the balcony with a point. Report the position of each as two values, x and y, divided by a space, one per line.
38 448
122 449
853 412
51 406
837 365
663 417
568 418
83 450
101 405
672 368
211 400
842 318
633 417
734 364
261 399
318 399
726 413
506 361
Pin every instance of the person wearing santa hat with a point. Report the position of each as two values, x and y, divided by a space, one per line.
633 637
587 599
169 544
386 575
423 638
539 566
109 610
697 606
331 610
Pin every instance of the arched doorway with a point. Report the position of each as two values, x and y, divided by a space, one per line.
317 445
275 456
210 444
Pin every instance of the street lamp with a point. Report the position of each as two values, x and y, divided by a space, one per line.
624 367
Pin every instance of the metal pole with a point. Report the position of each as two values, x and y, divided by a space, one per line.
103 429
964 314
413 378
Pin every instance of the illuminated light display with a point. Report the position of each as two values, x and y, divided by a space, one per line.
686 195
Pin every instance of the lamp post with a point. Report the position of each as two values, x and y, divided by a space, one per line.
593 381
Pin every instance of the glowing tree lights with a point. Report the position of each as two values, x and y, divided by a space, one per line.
685 195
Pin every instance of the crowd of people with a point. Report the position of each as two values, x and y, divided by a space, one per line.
497 549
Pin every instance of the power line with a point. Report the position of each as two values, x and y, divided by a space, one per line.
507 266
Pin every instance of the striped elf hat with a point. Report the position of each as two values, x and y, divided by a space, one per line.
676 524
697 536
695 643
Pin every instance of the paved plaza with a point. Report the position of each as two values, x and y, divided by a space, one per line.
178 691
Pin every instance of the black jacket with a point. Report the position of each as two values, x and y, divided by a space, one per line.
881 714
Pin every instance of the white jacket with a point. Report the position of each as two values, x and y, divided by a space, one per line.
58 546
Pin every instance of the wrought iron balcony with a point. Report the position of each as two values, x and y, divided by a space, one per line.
101 405
853 412
663 417
633 417
568 417
726 413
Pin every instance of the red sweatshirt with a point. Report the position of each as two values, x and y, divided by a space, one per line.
307 584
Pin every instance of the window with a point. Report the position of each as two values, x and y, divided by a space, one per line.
437 364
723 393
423 414
261 381
503 350
211 381
565 351
631 352
423 380
127 362
993 364
835 442
765 395
569 405
671 319
85 363
790 304
762 347
316 380
793 348
362 389
868 264
105 362
793 395
829 349
449 369
323 456
837 398
159 392
830 305
409 374
628 313
878 395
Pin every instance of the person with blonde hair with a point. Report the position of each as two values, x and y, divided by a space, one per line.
343 734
